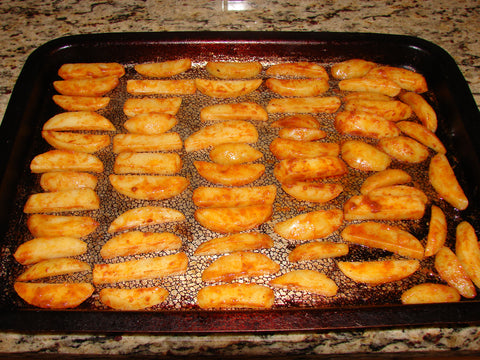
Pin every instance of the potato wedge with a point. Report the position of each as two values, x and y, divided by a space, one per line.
233 197
293 170
54 296
445 183
362 156
370 84
150 123
67 180
235 111
404 149
233 131
422 109
317 250
41 225
235 296
137 242
78 120
137 106
386 237
227 88
65 160
240 264
158 87
88 143
301 134
399 190
234 153
378 272
393 110
365 95
149 187
231 175
422 135
144 216
437 231
297 121
369 125
145 143
53 267
90 70
353 68
81 103
383 178
165 68
290 149
62 201
406 79
233 70
313 191
147 163
314 105
43 248
235 242
467 250
142 269
233 219
430 293
311 225
298 69
86 86
132 299
297 87
452 272
306 280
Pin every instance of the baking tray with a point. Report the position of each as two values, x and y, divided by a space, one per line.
31 105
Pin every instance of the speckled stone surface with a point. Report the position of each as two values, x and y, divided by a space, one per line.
453 25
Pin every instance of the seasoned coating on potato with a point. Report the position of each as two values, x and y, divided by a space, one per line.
313 191
383 178
78 120
314 105
144 216
298 69
86 86
378 272
42 225
467 250
422 109
297 87
67 180
297 121
392 110
399 190
147 163
146 142
369 125
81 103
43 248
362 156
231 175
165 68
233 69
234 153
227 88
301 134
422 135
404 149
149 187
430 293
53 267
306 280
90 70
88 143
316 250
65 160
370 84
352 68
293 170
136 106
234 111
150 123
366 95
132 299
232 197
235 242
235 296
437 231
62 201
159 87
290 149
406 79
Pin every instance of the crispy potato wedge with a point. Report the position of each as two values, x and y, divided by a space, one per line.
235 296
65 160
53 267
235 242
370 84
233 219
306 280
422 135
445 183
386 237
43 248
297 121
313 191
137 106
88 143
67 180
384 178
149 187
378 272
422 109
404 149
157 87
452 272
235 111
41 225
314 105
437 231
317 250
298 69
78 120
353 68
90 70
147 163
81 103
293 170
145 143
297 87
137 242
144 216
54 296
86 86
233 70
289 149
231 175
369 125
149 268
365 95
430 293
467 250
150 123
362 156
132 299
406 79
399 190
240 264
62 201
301 134
233 131
234 153
165 68
233 197
227 88
392 110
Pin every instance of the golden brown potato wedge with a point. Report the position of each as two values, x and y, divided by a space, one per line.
88 143
445 183
65 160
370 84
137 242
147 163
293 170
150 123
53 267
145 143
298 69
81 103
290 149
306 280
406 79
437 231
362 156
149 187
468 251
233 70
149 268
158 87
43 248
235 296
369 125
297 121
54 296
41 225
231 175
165 68
137 106
314 105
67 180
398 190
297 87
233 219
234 153
422 109
227 88
235 242
313 191
86 86
430 293
378 272
240 264
404 149
317 250
144 216
78 120
311 225
233 197
352 68
383 178
301 134
393 110
90 70
422 135
365 95
132 299
232 131
235 111
62 201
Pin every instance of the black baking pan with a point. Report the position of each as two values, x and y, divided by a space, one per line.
31 105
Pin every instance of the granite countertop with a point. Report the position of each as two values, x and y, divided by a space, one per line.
452 25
